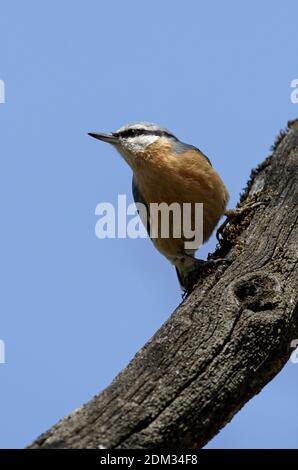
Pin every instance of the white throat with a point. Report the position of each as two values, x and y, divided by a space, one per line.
139 143
134 145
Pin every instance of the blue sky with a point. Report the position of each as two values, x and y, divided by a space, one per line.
76 309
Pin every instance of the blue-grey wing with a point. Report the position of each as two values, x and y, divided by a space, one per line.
139 199
181 147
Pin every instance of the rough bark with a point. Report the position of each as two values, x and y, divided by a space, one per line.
219 348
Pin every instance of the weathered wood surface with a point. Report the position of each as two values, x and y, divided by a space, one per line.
224 342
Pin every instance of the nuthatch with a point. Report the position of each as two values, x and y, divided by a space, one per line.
168 170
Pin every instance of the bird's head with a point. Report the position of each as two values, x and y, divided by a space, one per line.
134 139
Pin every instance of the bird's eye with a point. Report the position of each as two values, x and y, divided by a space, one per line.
136 132
127 133
130 133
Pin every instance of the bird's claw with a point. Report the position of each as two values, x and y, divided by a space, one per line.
233 213
202 267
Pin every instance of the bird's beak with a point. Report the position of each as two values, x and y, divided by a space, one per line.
109 138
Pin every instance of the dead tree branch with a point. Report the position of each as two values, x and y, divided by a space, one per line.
229 338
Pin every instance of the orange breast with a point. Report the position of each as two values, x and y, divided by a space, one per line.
183 178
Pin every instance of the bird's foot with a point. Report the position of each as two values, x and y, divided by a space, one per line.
231 214
200 268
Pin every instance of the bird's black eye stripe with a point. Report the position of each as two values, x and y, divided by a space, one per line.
136 132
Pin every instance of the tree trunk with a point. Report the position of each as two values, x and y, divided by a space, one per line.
225 341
